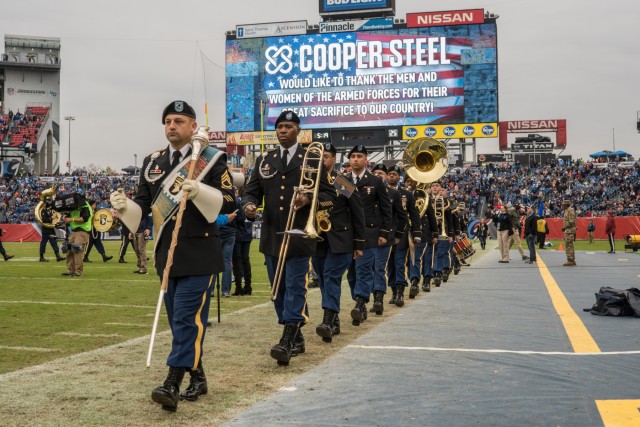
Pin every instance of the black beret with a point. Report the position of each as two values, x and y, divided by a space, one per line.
396 168
358 149
379 167
178 107
329 147
288 116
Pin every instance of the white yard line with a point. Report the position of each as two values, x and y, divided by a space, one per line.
494 351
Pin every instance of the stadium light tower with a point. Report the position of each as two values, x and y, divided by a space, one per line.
69 119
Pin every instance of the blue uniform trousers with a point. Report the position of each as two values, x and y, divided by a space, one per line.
442 256
418 260
452 256
330 271
51 239
397 267
428 260
187 303
380 268
291 300
360 274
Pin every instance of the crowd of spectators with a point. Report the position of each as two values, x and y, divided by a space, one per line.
594 188
21 128
21 195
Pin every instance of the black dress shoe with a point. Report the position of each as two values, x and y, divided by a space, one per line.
122 261
68 273
86 260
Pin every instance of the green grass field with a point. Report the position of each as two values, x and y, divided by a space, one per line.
45 316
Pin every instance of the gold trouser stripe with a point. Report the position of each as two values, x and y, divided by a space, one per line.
386 270
306 295
578 334
200 326
405 265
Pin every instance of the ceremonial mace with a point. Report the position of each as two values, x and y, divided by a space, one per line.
198 140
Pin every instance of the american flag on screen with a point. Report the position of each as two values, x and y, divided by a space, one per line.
284 73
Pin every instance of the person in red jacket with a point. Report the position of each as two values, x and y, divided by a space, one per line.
610 229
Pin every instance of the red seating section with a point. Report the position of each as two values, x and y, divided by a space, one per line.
26 129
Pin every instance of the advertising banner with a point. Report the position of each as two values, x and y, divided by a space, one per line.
558 126
450 17
463 130
355 7
266 137
356 25
397 77
271 29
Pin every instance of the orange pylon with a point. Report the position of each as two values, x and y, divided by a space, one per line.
560 248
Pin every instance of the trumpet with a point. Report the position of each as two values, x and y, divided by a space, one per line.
309 183
441 204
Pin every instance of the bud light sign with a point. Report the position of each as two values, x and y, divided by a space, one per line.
412 132
329 6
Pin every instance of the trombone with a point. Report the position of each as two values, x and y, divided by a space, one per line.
309 183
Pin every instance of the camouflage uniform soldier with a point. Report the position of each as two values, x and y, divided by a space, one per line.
569 228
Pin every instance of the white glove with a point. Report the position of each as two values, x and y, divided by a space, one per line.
417 240
118 201
190 187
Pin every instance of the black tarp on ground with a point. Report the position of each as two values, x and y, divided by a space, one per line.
485 349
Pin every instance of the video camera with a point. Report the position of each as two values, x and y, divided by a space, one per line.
69 202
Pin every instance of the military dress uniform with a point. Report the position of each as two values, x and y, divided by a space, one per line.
398 261
442 261
48 234
383 252
197 257
378 223
423 262
335 252
274 182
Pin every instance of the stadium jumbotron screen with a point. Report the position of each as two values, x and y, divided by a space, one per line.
398 77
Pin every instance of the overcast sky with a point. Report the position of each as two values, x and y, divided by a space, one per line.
124 61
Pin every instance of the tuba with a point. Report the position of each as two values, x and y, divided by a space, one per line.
309 183
56 216
425 160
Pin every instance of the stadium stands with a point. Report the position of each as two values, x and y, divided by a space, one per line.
593 189
20 129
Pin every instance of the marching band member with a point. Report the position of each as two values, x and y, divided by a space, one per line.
445 223
342 243
422 263
398 261
383 253
378 223
48 233
273 179
198 254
